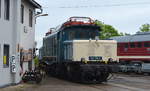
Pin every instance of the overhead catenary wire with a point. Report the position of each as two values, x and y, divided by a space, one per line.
107 5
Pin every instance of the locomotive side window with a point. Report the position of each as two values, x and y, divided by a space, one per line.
132 45
71 35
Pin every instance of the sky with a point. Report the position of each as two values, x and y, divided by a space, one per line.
126 16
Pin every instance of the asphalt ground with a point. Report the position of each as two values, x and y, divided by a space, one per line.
119 82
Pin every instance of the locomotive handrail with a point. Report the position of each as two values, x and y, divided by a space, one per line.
79 20
50 31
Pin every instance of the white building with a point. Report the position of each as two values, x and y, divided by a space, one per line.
17 39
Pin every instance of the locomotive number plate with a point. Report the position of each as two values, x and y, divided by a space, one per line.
95 58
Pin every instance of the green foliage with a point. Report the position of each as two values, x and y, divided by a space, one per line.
36 61
124 34
145 28
107 31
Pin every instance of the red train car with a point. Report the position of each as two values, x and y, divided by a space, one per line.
134 47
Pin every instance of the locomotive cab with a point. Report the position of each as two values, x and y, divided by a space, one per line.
81 41
81 32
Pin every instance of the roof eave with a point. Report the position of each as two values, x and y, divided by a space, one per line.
35 4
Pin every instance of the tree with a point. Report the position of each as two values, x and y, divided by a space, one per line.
145 28
124 34
107 31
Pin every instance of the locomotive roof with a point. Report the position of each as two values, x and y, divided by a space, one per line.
138 37
60 28
79 25
53 34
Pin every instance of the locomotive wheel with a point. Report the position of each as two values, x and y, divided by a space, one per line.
87 77
99 77
69 75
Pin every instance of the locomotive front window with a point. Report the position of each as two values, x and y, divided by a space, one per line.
71 35
81 33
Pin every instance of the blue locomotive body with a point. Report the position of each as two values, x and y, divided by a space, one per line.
54 44
60 55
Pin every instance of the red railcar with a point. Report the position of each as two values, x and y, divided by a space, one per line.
134 47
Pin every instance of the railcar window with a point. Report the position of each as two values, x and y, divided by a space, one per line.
132 45
126 46
139 45
119 45
146 44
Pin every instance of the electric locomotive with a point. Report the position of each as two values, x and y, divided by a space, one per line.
74 52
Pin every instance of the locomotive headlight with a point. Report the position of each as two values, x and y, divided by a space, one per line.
83 60
90 40
96 38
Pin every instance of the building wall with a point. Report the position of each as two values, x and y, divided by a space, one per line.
12 33
28 38
27 34
6 37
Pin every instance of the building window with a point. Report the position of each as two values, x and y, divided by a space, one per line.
30 17
6 56
6 9
22 14
132 45
0 52
0 7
